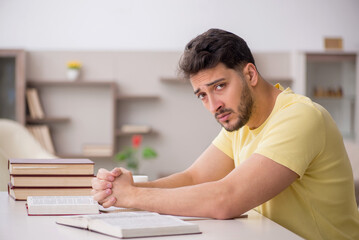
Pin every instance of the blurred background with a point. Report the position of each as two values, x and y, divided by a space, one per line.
127 54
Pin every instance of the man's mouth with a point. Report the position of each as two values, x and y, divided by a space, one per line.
223 117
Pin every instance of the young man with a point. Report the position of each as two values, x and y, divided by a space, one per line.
278 152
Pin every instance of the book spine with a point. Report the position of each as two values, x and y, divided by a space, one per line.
49 175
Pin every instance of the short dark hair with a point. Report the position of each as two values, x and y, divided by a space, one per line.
211 48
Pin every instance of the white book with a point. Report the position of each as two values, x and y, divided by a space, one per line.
127 128
131 224
61 205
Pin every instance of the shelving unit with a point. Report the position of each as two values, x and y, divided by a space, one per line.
12 84
331 82
130 105
47 120
59 124
119 133
37 83
131 98
89 109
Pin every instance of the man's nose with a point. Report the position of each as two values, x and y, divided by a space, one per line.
215 104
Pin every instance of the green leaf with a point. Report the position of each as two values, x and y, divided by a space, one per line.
125 154
132 164
149 153
121 157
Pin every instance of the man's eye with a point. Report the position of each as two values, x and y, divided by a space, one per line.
201 96
220 86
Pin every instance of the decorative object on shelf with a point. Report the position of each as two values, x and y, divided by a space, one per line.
97 150
73 70
331 43
140 129
130 154
320 92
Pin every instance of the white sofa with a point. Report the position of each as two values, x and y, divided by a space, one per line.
16 142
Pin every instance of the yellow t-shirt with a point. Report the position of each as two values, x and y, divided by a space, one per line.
302 136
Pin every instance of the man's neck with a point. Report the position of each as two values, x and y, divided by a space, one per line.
265 96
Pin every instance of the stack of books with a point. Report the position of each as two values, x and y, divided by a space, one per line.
50 177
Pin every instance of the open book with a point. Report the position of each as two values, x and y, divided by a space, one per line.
131 224
61 205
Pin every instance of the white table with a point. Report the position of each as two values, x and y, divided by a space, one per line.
15 224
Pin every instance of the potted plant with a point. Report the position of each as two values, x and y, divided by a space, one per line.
131 155
73 70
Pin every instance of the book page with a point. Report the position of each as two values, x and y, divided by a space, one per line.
138 219
54 205
60 200
139 224
73 221
132 224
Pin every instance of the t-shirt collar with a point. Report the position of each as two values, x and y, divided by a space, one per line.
275 108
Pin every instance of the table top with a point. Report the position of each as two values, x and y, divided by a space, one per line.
16 224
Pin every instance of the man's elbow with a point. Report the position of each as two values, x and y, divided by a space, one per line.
225 207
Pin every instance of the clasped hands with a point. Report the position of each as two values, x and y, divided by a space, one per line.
113 188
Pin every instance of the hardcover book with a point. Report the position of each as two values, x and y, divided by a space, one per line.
61 205
34 104
21 193
51 180
51 166
131 224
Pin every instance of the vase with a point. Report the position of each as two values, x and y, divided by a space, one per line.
73 74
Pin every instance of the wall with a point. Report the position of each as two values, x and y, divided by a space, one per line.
267 25
166 26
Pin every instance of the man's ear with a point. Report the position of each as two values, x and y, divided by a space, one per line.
252 74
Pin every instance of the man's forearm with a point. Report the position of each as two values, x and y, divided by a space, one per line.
173 181
186 201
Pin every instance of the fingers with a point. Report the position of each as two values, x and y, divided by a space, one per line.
100 196
104 178
99 184
125 171
117 171
103 183
129 173
107 175
110 202
103 197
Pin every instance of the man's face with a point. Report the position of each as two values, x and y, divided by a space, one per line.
225 94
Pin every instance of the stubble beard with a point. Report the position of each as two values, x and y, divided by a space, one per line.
244 111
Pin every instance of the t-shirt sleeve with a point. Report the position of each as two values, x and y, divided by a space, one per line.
224 143
294 137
